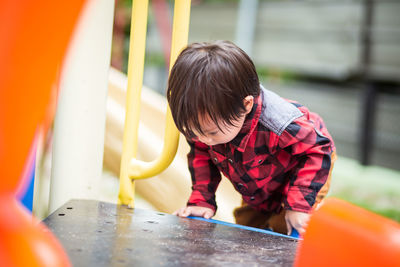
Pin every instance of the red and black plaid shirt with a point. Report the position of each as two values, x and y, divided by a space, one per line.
282 154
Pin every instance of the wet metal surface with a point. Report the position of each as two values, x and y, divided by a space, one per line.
102 234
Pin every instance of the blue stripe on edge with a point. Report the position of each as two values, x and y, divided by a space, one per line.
294 235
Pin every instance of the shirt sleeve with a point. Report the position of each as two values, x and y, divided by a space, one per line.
205 176
311 157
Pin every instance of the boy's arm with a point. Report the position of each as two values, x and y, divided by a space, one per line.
205 176
311 150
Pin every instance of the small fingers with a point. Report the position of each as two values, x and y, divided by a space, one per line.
300 227
186 212
207 214
289 227
194 211
180 212
296 220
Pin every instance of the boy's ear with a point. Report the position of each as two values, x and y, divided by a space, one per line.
248 103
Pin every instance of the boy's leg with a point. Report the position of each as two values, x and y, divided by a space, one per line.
246 215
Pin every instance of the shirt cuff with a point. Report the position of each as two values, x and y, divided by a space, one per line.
300 199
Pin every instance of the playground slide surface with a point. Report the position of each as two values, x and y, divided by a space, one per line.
96 233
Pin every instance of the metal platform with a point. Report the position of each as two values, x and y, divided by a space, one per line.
102 234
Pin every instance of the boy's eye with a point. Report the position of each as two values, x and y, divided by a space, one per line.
213 133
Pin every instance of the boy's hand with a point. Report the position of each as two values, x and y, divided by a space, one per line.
195 211
297 220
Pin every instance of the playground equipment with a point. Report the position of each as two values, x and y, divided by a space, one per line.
115 233
77 150
341 234
31 55
130 167
103 234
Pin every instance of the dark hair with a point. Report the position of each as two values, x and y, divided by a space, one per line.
210 79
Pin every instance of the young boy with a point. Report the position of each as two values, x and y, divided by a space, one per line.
277 154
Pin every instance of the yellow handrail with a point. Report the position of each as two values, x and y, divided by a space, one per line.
131 168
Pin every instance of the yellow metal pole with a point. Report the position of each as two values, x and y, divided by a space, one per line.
139 169
131 168
135 82
180 30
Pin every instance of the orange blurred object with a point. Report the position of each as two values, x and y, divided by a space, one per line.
342 234
25 241
34 38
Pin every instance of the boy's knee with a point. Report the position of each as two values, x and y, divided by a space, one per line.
248 216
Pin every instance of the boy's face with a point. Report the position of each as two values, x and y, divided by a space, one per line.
212 135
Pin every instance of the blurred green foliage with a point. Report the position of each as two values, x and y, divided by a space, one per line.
374 188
